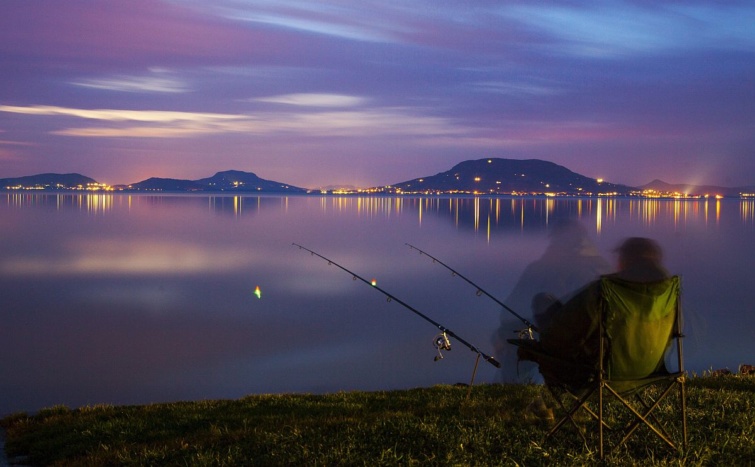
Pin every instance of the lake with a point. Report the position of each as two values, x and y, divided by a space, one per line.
131 299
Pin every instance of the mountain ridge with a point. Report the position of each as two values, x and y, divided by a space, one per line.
68 180
237 180
477 176
506 176
687 188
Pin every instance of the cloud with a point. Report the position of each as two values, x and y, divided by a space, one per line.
343 20
16 143
7 155
137 132
320 27
118 114
143 32
512 88
167 124
610 29
134 84
314 100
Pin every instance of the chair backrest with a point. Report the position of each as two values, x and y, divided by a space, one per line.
639 321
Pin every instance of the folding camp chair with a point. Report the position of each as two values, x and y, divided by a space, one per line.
639 322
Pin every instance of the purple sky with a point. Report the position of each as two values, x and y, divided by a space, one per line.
365 92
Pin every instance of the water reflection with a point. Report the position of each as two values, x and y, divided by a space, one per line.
747 210
113 298
479 213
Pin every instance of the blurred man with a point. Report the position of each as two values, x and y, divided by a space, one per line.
570 261
570 330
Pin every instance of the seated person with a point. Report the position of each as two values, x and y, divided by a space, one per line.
569 331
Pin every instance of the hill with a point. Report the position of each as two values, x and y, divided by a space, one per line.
228 181
236 180
482 176
48 181
504 176
166 184
698 190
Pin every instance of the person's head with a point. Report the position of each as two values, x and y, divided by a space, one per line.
568 237
639 251
567 231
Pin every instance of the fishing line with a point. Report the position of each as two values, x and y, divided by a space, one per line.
441 341
480 291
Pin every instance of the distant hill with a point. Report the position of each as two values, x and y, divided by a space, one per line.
167 184
504 176
699 190
481 176
47 181
338 188
228 181
235 180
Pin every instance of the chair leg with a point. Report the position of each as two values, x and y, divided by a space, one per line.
578 403
575 398
568 412
642 411
683 397
600 416
651 415
642 418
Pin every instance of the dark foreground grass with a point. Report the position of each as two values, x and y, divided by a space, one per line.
433 426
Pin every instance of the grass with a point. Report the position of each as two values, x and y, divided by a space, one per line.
429 426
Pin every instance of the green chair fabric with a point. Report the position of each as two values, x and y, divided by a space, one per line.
639 321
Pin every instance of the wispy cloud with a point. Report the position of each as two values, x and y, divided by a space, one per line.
315 100
166 124
16 143
178 131
7 155
608 29
118 114
135 84
515 88
345 20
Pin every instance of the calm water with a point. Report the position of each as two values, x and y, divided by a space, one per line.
134 299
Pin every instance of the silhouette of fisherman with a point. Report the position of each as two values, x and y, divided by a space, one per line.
570 261
569 329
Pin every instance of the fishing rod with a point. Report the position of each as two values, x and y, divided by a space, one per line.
480 290
441 341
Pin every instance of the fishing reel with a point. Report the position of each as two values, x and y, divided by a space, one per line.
441 342
525 333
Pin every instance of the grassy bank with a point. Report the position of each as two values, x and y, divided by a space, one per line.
433 426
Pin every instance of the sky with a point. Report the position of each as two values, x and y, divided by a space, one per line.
367 93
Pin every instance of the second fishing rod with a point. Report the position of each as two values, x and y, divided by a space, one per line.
480 290
441 342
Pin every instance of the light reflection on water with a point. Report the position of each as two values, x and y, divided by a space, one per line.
133 299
